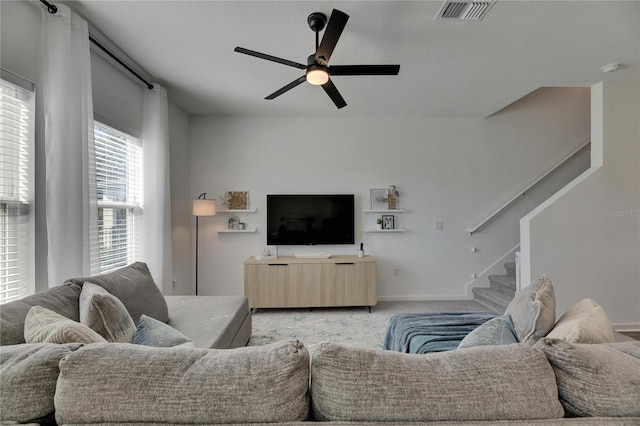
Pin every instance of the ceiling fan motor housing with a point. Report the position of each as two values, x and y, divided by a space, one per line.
317 21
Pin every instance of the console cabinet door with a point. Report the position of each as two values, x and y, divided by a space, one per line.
304 284
265 285
358 282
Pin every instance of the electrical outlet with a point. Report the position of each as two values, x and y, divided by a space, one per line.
438 225
174 282
396 272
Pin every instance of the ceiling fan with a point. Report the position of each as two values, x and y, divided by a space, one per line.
317 68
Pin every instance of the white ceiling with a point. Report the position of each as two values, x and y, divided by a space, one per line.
448 69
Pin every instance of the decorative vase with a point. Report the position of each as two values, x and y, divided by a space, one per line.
378 226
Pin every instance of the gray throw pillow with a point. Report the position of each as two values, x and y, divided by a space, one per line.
491 383
496 331
135 288
105 314
533 311
596 380
44 326
151 332
29 376
123 383
62 299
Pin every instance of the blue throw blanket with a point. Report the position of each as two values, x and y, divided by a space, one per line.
431 332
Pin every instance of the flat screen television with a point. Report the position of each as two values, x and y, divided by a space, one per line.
310 219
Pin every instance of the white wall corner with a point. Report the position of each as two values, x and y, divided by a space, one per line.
597 125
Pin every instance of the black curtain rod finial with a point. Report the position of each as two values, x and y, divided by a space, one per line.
52 8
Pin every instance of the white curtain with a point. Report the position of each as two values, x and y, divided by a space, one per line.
157 207
71 214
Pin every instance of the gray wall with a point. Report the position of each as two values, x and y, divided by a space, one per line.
587 239
455 171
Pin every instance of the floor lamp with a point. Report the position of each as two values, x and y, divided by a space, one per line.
202 207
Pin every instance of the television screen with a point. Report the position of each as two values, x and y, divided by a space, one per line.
310 219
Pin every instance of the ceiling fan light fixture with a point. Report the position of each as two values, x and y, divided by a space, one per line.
317 76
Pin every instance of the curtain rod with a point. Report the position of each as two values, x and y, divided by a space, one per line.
52 8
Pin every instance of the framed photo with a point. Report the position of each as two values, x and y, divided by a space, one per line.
237 200
378 199
388 221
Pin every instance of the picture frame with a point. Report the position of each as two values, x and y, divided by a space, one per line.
378 198
388 221
236 200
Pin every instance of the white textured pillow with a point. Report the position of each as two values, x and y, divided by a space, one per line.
585 322
105 314
533 311
45 326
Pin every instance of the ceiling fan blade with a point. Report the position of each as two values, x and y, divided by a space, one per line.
364 69
336 25
333 93
288 87
270 58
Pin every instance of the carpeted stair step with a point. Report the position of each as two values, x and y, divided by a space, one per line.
511 269
492 299
504 284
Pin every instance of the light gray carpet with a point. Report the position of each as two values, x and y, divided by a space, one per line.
350 326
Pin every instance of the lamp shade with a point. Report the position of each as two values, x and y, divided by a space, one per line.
204 207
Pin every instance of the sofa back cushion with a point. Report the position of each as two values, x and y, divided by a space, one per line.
491 383
596 380
134 286
183 385
62 299
29 375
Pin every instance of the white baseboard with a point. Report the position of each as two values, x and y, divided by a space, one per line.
627 326
423 298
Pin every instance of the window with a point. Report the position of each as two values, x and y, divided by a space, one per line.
119 187
17 244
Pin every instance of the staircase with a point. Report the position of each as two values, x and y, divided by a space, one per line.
501 290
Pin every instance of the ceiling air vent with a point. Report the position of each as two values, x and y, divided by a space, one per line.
464 10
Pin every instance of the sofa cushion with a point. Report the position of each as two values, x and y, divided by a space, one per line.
596 380
45 326
211 321
585 322
496 331
29 374
62 299
183 385
134 286
151 332
490 383
105 314
533 311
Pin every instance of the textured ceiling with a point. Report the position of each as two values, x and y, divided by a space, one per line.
448 69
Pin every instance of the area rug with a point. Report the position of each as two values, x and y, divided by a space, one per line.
349 326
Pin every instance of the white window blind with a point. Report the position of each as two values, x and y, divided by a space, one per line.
119 187
17 243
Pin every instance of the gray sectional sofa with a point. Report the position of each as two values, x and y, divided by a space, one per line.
114 383
541 380
209 321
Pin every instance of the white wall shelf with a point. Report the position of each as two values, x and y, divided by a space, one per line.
231 231
386 211
385 230
237 211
